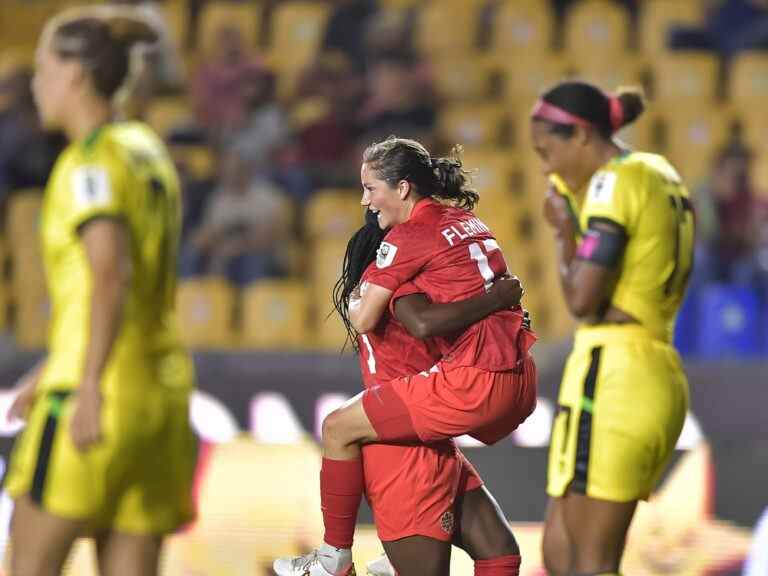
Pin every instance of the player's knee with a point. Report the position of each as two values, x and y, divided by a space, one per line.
334 428
555 554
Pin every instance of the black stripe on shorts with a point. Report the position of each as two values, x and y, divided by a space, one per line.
46 445
584 429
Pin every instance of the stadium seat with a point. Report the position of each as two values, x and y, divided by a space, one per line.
325 262
447 27
656 18
493 172
463 78
610 73
522 26
205 310
748 80
275 314
760 175
333 214
166 113
297 33
22 229
680 78
731 327
526 79
199 159
753 121
474 124
596 28
692 136
215 15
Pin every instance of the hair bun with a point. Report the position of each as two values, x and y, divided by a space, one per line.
632 103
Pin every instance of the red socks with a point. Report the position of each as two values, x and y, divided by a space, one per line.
341 488
501 566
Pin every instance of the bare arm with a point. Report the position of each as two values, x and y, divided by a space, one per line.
424 319
366 310
106 246
585 283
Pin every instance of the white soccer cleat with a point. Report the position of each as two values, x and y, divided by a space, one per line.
308 565
380 567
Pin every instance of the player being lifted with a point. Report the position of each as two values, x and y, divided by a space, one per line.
485 384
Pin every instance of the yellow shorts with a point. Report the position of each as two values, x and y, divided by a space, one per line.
622 405
137 480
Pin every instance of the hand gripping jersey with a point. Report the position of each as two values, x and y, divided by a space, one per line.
450 255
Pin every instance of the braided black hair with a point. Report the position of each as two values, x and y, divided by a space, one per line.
361 251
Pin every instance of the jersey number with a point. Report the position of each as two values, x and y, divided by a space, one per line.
683 247
490 260
371 358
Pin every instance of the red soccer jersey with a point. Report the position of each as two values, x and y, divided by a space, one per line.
390 352
450 255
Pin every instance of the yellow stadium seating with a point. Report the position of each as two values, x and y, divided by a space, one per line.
493 172
693 135
199 159
526 78
464 78
275 314
333 214
297 32
325 262
165 113
522 26
176 13
474 124
205 310
685 77
760 175
22 228
596 28
754 126
748 80
447 27
610 73
215 15
656 17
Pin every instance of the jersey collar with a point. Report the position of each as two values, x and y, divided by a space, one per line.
421 205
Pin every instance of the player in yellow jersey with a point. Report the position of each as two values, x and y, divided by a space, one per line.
624 230
108 451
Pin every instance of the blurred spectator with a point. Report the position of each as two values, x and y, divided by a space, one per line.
220 84
265 128
726 221
195 176
325 126
346 29
243 230
27 153
400 100
730 26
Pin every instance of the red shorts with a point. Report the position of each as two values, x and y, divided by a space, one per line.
450 401
412 490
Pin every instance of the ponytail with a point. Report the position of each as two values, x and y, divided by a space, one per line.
453 180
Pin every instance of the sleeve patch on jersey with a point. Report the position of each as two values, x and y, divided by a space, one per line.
385 255
91 187
601 188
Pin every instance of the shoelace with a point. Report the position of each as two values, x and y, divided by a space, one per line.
306 561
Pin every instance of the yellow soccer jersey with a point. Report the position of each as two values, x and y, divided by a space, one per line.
644 195
121 171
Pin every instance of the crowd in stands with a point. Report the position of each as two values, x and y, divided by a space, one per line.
274 140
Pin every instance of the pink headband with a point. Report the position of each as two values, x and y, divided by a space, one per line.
545 111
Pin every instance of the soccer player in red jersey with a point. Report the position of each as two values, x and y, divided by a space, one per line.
485 384
425 497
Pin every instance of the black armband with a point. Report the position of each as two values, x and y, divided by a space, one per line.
603 243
